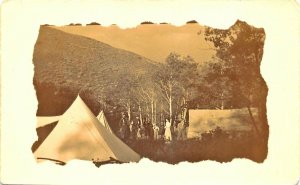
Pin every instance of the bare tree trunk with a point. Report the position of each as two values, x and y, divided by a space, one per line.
129 111
146 112
170 102
161 114
170 108
152 111
177 109
155 112
140 112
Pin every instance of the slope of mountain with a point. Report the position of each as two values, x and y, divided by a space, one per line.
154 41
66 64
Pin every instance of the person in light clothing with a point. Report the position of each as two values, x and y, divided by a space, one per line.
168 135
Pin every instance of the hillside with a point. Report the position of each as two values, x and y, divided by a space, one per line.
65 64
154 41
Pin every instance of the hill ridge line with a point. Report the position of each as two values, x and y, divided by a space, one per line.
103 43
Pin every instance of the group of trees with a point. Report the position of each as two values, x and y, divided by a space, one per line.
230 80
158 96
236 66
234 74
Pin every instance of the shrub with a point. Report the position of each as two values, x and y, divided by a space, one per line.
147 22
94 23
191 22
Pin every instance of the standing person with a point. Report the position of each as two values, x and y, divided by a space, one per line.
168 135
185 115
142 131
155 131
139 134
161 129
135 126
181 130
131 130
145 124
174 127
151 131
148 128
124 127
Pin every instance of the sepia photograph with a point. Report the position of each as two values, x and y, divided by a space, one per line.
150 92
159 91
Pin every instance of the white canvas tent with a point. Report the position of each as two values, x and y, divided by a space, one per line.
45 120
102 119
79 135
201 121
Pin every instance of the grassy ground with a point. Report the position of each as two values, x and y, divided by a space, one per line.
219 135
216 145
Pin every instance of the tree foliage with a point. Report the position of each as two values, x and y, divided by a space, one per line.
236 68
239 52
176 79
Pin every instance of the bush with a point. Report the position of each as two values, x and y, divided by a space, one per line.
147 22
191 22
94 23
77 24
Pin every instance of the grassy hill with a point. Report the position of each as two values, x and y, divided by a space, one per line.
65 64
154 41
